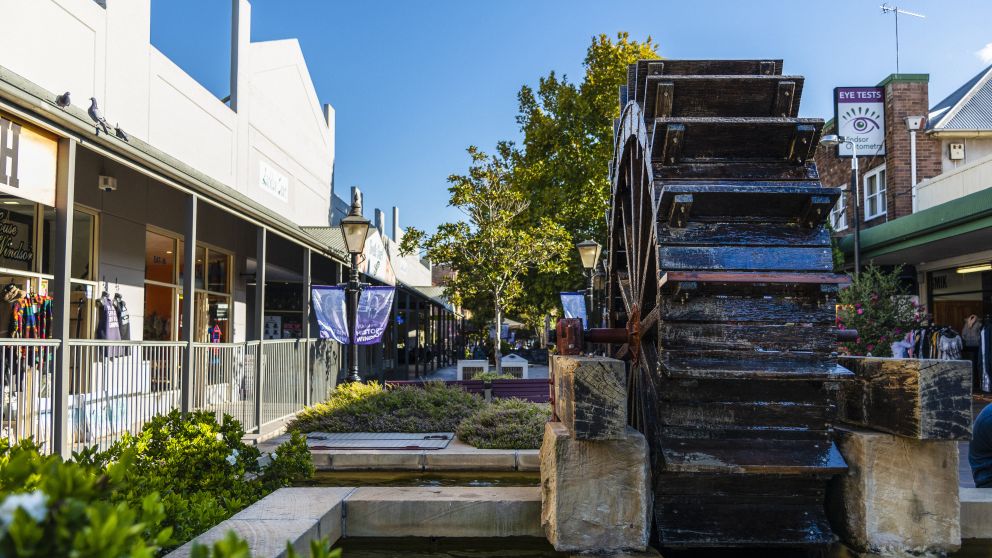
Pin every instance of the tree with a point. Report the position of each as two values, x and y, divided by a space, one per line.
492 250
564 159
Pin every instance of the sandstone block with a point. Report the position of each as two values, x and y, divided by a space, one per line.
922 399
595 495
591 396
443 512
900 495
976 513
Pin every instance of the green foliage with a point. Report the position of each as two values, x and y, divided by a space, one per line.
495 247
876 306
564 161
54 508
358 407
202 469
490 376
232 546
506 424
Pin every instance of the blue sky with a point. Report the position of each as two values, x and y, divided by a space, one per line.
416 82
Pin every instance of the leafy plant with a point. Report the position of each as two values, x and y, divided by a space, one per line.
358 407
202 469
53 508
877 306
232 546
506 424
490 376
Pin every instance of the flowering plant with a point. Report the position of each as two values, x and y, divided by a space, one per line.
878 307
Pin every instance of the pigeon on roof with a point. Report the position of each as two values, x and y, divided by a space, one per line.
97 116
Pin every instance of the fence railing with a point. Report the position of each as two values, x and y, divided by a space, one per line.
117 386
27 370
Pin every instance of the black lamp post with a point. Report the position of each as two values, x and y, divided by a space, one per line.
589 254
832 140
355 229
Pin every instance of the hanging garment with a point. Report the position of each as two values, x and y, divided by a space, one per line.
985 360
950 345
971 331
107 326
123 317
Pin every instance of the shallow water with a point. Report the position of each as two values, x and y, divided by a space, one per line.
418 478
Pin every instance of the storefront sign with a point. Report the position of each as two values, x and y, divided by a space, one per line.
331 312
374 306
273 181
21 251
859 113
574 305
377 262
28 159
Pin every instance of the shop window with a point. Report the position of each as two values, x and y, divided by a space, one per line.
82 272
161 287
838 215
874 185
17 233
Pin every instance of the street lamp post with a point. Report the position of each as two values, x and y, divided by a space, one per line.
589 254
355 229
832 140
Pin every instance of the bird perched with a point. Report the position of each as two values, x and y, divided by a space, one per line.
101 122
120 133
62 100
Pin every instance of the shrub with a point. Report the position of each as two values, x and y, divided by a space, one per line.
506 424
490 376
232 546
203 470
55 508
876 306
358 407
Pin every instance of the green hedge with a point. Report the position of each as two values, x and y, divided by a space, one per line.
506 424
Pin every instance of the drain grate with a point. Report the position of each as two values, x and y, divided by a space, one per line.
378 440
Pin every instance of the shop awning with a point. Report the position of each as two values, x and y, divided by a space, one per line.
955 228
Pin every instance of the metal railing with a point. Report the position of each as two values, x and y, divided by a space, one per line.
118 386
27 368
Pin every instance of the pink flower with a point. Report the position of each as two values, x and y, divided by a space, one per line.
897 331
860 311
870 347
857 340
839 326
858 305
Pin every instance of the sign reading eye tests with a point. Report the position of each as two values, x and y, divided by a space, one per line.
28 159
859 113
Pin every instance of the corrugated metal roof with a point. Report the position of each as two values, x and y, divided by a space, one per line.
330 237
968 108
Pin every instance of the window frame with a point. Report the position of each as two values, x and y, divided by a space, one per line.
839 211
880 192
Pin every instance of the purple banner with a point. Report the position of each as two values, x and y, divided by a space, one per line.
374 306
574 305
331 312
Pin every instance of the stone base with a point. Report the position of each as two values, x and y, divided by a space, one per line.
899 496
595 495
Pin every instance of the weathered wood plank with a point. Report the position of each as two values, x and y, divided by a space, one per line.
744 258
787 97
750 234
747 309
699 96
816 212
920 399
591 396
681 207
713 139
711 67
702 391
757 457
756 415
740 170
753 278
747 336
760 202
748 364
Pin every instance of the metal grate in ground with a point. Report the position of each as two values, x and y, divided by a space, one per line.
375 440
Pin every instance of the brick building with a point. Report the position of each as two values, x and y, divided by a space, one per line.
884 179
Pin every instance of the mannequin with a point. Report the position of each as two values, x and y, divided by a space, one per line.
10 294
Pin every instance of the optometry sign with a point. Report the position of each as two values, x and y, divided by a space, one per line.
28 158
859 113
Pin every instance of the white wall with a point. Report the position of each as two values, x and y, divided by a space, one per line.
947 186
974 149
77 46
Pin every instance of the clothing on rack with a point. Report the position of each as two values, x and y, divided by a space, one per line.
123 317
972 331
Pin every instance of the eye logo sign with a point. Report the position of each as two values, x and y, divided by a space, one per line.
862 119
859 113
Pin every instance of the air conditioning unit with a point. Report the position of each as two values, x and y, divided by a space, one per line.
955 151
107 183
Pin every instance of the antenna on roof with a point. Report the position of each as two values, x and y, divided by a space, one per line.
890 9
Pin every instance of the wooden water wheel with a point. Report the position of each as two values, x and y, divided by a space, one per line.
720 268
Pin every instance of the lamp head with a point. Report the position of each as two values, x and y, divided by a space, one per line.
589 253
355 227
831 140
